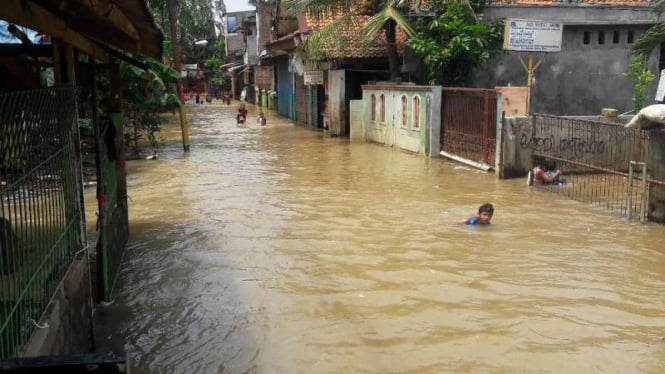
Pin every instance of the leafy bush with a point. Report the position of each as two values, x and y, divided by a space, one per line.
146 94
453 43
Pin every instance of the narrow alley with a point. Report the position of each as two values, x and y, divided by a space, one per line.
278 249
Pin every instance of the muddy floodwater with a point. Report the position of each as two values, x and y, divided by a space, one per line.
280 250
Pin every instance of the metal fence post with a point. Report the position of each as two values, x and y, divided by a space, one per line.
643 203
630 189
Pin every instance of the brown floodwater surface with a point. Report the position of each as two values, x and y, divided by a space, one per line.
280 250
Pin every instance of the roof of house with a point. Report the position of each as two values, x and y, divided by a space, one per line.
347 42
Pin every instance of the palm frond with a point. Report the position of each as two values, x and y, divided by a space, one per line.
316 8
375 24
651 39
313 46
658 6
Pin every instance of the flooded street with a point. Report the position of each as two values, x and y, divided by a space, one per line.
281 250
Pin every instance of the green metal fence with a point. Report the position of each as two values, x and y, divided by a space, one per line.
113 218
41 210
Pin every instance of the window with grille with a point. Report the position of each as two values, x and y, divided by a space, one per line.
405 104
382 111
373 108
416 112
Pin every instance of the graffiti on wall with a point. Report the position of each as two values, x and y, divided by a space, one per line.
573 146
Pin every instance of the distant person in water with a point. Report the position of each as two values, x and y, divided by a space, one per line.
485 213
261 119
242 113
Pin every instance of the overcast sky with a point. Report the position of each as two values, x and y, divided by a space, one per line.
237 5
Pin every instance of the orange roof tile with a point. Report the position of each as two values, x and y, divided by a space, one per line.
348 42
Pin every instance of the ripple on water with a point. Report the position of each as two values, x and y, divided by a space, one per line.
282 250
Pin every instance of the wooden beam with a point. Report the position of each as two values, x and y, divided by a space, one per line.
57 63
26 13
111 12
95 24
71 65
31 50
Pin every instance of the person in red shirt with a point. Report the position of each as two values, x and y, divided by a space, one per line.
547 173
242 114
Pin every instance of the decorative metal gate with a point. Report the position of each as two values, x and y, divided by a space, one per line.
469 117
41 215
604 164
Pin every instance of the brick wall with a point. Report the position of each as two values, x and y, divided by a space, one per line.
264 76
265 19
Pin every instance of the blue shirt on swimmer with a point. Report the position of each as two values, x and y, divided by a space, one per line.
473 221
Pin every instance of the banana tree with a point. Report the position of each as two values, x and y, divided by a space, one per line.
146 95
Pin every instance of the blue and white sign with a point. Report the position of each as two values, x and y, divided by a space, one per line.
532 36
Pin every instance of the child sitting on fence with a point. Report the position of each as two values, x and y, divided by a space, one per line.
547 173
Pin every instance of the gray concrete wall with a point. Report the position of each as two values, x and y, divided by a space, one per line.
576 14
67 322
582 78
433 110
514 161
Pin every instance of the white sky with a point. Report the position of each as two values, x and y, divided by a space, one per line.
237 5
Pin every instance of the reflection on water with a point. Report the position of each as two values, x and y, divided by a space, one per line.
279 249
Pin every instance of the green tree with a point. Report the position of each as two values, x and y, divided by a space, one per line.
643 47
195 19
185 22
453 43
214 74
145 94
642 78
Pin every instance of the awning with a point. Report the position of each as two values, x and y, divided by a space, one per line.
230 64
234 70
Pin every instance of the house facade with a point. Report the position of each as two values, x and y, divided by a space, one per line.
588 74
241 46
316 93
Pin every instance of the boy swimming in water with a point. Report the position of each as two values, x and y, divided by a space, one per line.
485 213
261 119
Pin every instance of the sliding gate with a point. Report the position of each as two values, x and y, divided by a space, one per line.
604 164
469 117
